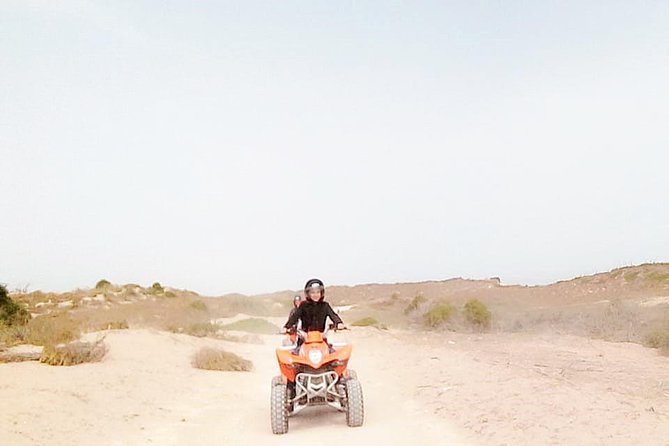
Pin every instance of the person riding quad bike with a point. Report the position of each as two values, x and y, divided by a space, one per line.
313 313
315 373
292 331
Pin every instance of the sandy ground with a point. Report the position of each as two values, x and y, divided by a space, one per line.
426 389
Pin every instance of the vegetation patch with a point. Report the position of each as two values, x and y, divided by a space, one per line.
477 314
199 329
11 313
659 339
102 284
73 353
209 358
438 315
630 276
415 303
198 305
365 322
53 329
656 276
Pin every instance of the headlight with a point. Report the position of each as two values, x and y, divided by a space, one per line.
315 356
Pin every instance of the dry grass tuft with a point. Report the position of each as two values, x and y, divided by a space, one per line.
209 358
74 353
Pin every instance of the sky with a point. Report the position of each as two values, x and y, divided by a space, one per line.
248 146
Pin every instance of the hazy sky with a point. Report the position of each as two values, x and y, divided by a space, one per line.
247 146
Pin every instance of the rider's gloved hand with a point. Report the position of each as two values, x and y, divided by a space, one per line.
340 326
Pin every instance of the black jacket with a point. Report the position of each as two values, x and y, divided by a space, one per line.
313 316
292 312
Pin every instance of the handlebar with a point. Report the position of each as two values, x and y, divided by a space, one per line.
303 334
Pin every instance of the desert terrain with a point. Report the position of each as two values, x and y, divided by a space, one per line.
567 363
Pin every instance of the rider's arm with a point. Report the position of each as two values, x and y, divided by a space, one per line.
334 316
294 317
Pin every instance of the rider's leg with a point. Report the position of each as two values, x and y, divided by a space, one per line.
300 341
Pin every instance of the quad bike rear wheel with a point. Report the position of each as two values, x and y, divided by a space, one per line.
279 411
355 408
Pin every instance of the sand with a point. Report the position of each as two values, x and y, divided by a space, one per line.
495 389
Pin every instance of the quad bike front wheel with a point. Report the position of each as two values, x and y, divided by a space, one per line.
278 409
355 407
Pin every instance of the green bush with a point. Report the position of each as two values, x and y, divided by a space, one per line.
157 287
102 284
438 315
365 322
476 313
415 303
11 313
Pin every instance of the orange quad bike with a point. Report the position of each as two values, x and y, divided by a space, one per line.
316 376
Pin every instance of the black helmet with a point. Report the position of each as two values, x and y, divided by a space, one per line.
314 284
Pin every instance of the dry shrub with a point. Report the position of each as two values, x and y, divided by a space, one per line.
477 314
209 358
658 338
74 353
415 303
617 322
13 334
53 329
438 315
